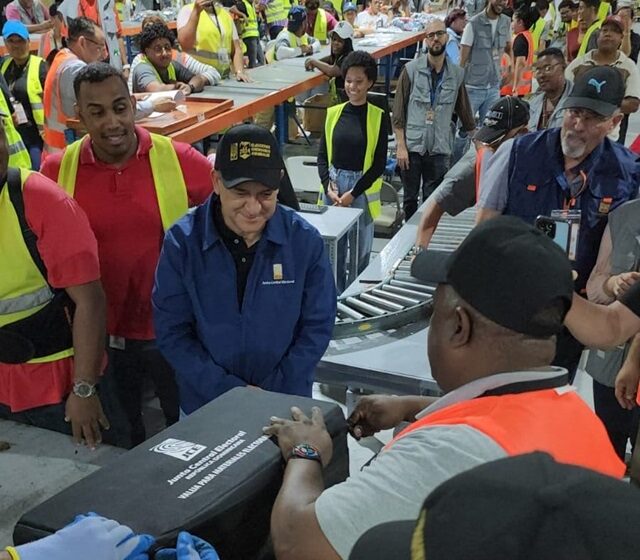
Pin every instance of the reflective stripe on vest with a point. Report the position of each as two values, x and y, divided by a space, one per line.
374 121
55 121
171 190
523 87
603 11
555 421
251 24
34 87
18 153
276 11
210 40
585 40
320 25
170 70
23 290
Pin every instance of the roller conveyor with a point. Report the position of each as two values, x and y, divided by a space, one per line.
399 299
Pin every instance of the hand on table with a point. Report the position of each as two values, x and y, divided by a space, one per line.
309 64
163 105
86 417
89 537
302 430
188 547
242 76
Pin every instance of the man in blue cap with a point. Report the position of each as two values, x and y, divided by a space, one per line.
293 41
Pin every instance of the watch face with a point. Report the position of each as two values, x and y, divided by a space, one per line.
83 390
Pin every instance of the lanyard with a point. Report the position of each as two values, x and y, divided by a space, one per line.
570 199
215 15
435 91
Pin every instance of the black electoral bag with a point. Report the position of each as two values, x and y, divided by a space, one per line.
214 474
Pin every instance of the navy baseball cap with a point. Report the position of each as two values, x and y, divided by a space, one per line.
297 16
13 27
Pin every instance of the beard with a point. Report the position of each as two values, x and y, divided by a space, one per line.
436 51
572 147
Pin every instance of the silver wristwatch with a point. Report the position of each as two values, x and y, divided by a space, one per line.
84 389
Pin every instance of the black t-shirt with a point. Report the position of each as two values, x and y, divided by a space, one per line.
16 78
631 298
520 46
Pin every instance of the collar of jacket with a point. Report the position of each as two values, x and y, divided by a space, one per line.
274 231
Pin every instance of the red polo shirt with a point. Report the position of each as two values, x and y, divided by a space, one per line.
122 208
69 250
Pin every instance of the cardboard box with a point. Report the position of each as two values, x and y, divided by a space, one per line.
314 116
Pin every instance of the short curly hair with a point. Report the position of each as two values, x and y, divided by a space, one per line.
152 32
361 59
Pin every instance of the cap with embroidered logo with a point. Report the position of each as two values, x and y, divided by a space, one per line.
248 152
599 89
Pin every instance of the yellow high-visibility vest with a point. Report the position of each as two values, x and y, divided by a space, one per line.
585 40
171 190
170 69
320 25
374 121
34 87
23 289
251 24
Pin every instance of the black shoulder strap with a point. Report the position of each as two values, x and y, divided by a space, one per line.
14 182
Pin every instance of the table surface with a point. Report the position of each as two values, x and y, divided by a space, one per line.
333 223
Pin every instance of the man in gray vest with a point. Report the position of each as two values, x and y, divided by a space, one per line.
485 38
430 91
615 271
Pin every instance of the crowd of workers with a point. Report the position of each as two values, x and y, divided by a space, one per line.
127 258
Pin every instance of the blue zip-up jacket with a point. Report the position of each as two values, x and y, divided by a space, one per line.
275 341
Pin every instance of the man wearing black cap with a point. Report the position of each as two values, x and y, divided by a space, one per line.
521 508
244 292
575 168
458 189
491 339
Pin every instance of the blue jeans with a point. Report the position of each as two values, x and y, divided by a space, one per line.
35 153
482 100
345 180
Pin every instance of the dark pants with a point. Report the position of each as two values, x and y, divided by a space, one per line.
51 417
274 30
428 170
130 368
621 424
254 51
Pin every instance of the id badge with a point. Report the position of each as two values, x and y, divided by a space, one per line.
19 112
223 56
117 342
431 114
572 218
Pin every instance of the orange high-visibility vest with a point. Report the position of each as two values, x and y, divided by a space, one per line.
556 421
55 121
523 87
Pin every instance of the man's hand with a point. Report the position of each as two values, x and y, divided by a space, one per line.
620 283
306 50
346 199
200 5
89 536
242 76
374 413
163 105
86 417
184 88
302 430
188 547
332 193
626 385
402 155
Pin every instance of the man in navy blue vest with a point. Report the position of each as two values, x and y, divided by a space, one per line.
575 167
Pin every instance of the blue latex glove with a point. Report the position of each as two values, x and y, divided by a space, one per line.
89 536
188 547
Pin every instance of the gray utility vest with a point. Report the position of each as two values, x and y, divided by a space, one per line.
483 66
431 135
624 224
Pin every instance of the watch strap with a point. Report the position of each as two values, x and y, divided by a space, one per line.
305 451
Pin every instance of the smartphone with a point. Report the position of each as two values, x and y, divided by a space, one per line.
563 232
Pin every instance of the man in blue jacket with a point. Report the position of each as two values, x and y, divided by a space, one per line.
575 167
244 292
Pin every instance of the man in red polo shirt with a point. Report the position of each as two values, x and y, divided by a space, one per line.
132 186
48 264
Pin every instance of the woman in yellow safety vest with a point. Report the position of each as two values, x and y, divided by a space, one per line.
519 72
157 70
251 33
352 155
25 74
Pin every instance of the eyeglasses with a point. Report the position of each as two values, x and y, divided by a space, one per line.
587 116
159 49
102 46
435 34
546 69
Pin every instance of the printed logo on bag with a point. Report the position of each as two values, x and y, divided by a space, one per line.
183 450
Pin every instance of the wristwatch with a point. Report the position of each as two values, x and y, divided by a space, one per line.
84 389
305 451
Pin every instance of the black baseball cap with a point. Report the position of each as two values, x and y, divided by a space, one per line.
527 507
506 270
508 113
600 89
248 152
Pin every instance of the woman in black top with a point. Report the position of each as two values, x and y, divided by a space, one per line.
345 176
341 46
